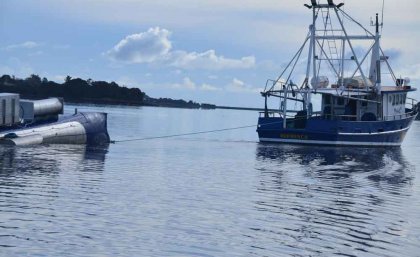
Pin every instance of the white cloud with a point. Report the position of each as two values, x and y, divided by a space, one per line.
251 23
154 46
173 12
24 45
210 61
187 83
129 10
236 85
207 87
145 47
241 87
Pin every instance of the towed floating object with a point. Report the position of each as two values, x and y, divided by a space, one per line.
28 122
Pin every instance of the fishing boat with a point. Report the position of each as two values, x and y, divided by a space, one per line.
31 122
355 109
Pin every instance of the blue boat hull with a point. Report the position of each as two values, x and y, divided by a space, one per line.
335 132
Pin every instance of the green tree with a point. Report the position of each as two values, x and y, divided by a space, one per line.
34 79
67 79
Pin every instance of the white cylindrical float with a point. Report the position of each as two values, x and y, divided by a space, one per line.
320 82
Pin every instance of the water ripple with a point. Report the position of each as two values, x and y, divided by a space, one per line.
342 199
210 195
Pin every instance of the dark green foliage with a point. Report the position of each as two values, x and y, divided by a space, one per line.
208 106
87 91
168 102
72 90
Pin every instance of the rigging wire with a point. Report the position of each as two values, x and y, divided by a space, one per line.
291 61
191 133
356 22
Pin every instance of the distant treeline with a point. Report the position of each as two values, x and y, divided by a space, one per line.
87 91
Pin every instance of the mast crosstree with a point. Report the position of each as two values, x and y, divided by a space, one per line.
326 43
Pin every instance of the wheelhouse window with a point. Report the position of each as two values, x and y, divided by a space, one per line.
327 99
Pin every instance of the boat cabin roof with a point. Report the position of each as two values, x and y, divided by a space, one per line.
362 91
395 89
340 92
347 91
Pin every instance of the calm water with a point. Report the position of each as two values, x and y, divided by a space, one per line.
218 194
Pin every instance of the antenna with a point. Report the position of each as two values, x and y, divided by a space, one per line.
382 18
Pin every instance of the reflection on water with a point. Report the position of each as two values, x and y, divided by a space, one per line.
48 157
384 164
344 201
207 195
33 181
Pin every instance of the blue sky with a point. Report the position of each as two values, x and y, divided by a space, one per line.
214 51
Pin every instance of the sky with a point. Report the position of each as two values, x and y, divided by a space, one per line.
212 51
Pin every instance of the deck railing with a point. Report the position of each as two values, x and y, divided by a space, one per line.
314 114
412 106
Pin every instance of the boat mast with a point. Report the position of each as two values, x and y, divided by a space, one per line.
375 63
306 89
312 51
308 68
285 86
311 57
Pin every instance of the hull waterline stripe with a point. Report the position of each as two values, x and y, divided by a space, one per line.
323 142
374 133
